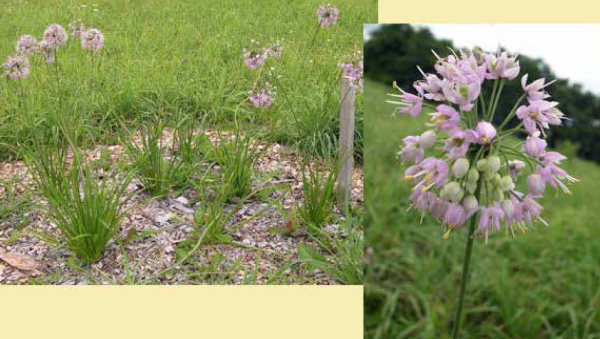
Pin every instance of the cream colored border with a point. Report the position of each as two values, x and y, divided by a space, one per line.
484 11
107 312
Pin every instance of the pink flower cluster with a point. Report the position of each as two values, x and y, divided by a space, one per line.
92 39
327 15
17 66
256 55
262 98
352 69
476 173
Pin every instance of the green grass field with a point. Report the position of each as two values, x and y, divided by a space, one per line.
543 284
162 57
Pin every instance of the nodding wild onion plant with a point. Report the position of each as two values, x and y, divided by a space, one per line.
157 170
237 158
86 212
472 179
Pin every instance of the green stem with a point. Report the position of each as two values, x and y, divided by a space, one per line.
496 99
465 272
512 112
492 97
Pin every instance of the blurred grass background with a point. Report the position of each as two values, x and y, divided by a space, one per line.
543 284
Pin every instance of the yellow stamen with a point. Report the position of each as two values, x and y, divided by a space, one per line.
447 234
485 140
409 177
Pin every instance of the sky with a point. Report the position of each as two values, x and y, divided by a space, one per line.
571 50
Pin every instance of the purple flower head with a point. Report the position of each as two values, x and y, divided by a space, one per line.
409 103
48 52
540 114
26 45
16 66
445 118
535 146
275 50
483 134
262 98
352 69
462 93
92 39
55 35
501 66
489 216
457 145
327 15
534 90
455 215
536 185
479 154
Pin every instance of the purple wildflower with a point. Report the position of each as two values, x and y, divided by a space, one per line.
55 35
26 45
92 39
262 98
16 66
327 15
77 28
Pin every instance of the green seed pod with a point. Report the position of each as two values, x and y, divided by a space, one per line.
460 168
470 202
482 165
488 176
506 183
496 179
498 195
493 164
473 175
452 192
471 186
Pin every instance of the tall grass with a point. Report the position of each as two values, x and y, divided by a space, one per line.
160 58
318 192
543 284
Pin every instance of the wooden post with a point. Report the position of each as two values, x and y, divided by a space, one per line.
346 145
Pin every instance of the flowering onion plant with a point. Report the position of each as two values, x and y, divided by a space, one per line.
473 177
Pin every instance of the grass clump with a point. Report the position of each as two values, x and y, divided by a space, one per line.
157 170
86 208
237 158
318 190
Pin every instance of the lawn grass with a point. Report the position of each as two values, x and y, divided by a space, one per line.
162 57
543 284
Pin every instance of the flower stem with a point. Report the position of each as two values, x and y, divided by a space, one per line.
465 272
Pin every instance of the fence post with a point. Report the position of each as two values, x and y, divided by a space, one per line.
346 145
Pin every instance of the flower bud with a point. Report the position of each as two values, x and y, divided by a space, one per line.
482 165
489 176
427 139
498 195
452 192
506 183
536 185
473 175
471 186
460 167
496 179
508 208
493 164
470 203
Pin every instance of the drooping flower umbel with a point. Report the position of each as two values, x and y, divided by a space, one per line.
352 69
475 172
92 39
26 45
55 36
16 66
255 56
327 15
263 97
